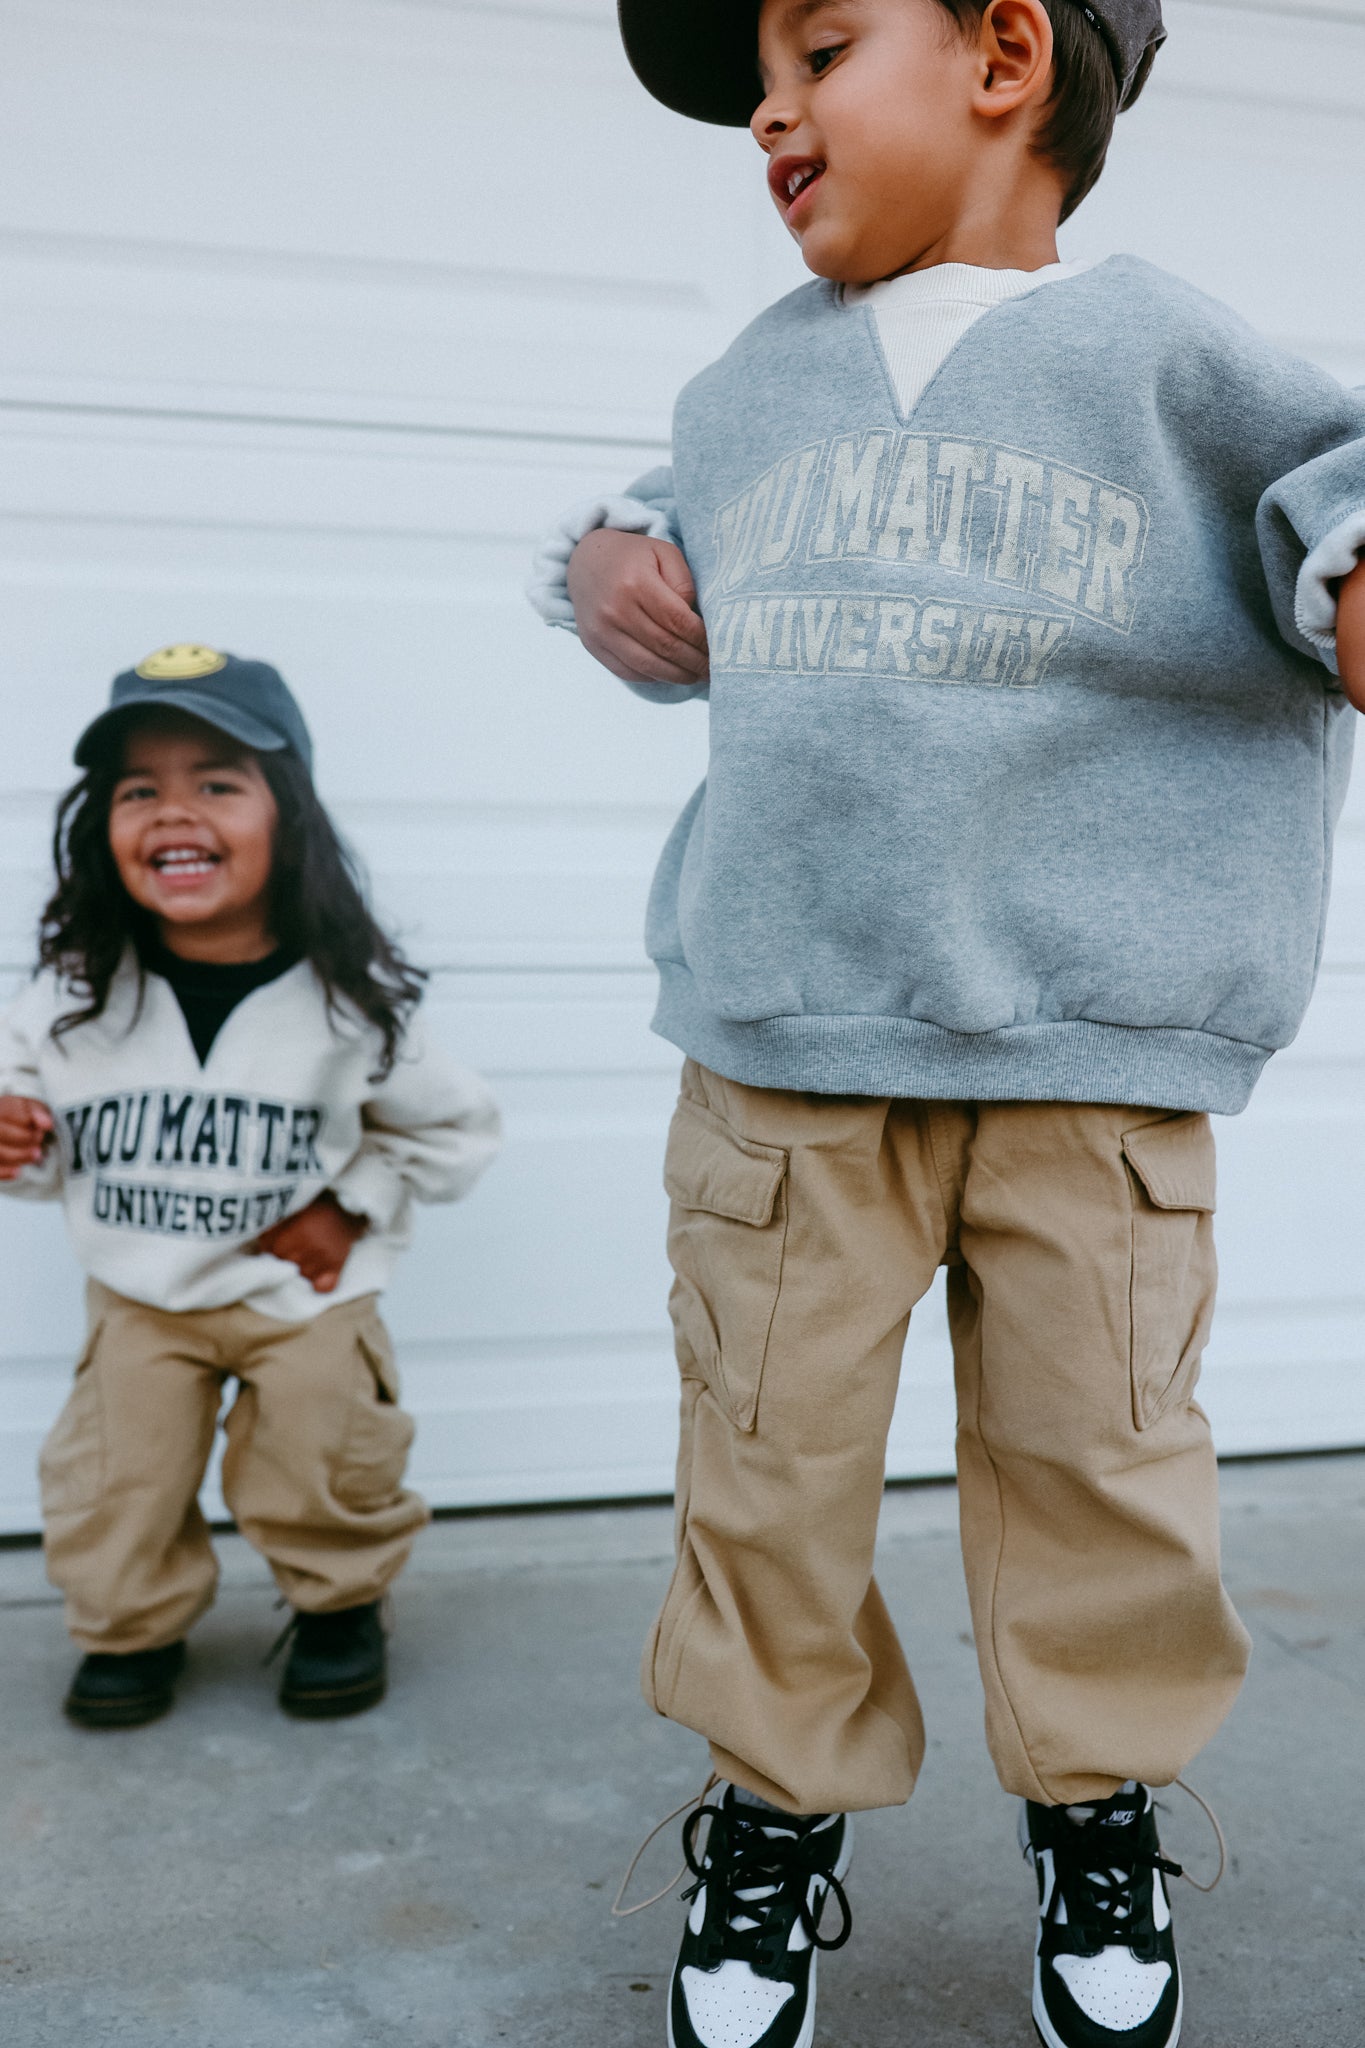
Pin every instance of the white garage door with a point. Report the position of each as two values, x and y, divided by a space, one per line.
312 313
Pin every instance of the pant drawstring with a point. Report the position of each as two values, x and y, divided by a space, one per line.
1214 1822
620 1912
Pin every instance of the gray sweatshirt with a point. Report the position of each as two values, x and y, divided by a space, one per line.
1023 773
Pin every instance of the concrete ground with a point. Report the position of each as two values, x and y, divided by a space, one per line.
437 1874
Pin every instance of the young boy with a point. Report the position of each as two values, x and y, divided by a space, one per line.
1023 590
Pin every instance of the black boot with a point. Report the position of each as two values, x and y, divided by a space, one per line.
336 1663
111 1691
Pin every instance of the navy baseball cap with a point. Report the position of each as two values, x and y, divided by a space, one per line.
248 700
700 57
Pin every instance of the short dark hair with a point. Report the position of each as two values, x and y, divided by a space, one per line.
1079 121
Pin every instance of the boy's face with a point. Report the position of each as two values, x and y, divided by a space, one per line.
868 125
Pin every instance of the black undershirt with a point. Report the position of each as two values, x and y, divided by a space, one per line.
208 991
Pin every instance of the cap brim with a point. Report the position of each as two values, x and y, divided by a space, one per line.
1130 87
699 57
238 725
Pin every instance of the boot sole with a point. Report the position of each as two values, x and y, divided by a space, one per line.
135 1713
333 1705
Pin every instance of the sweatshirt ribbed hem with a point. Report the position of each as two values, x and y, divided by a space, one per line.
1073 1061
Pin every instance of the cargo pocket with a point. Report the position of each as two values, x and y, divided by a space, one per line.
71 1462
727 1234
369 1473
1171 1171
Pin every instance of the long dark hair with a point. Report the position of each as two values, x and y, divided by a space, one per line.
317 905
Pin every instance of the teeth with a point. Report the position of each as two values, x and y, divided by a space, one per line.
185 861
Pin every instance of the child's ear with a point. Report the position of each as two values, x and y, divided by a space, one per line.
1015 57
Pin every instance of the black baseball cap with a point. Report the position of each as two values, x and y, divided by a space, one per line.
248 700
700 57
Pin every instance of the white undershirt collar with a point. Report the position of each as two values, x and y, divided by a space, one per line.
922 316
967 284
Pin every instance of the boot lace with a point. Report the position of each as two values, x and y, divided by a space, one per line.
318 1629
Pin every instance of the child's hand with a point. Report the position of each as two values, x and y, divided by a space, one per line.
318 1241
26 1129
1351 636
632 600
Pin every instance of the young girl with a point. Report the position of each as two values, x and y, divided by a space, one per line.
219 1070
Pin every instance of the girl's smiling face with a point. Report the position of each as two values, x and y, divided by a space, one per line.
192 832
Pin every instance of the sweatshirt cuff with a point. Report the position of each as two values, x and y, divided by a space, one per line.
548 586
41 1183
670 693
1315 600
370 1188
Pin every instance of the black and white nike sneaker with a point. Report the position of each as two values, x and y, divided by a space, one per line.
1105 1973
745 1975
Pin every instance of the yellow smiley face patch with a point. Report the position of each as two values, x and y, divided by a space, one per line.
181 663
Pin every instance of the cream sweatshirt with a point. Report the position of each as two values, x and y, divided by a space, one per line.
169 1171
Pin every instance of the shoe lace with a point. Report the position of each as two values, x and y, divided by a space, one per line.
758 1880
1103 1877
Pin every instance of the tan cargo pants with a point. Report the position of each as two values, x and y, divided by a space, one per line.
316 1445
1078 1241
